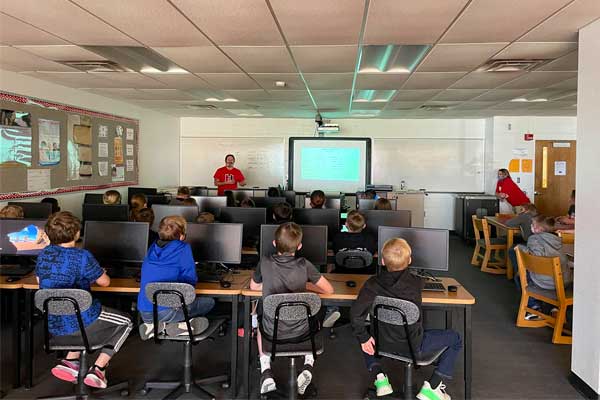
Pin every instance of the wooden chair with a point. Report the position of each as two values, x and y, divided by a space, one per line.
567 237
558 297
505 216
484 240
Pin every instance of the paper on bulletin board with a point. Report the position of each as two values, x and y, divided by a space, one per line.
129 165
129 152
514 165
102 131
103 168
118 146
129 133
15 138
102 149
520 152
527 165
82 134
560 168
85 154
38 180
49 142
118 173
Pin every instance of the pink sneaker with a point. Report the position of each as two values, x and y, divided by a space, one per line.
66 371
96 378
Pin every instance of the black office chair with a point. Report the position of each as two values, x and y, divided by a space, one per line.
176 295
72 302
401 313
292 307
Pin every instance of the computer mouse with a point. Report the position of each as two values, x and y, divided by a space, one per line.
13 279
452 288
350 283
225 284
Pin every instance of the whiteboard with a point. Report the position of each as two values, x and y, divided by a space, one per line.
438 165
260 159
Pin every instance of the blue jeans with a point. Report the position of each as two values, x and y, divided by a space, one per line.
199 307
512 255
433 340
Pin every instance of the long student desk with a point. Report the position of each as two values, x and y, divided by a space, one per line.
500 223
345 296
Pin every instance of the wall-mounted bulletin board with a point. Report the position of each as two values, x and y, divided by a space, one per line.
49 148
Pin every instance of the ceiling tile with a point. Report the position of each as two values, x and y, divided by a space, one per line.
317 22
488 21
289 95
567 62
566 84
73 79
432 80
474 105
166 94
535 80
408 22
329 81
331 96
403 105
152 22
129 94
249 95
230 81
415 95
544 51
458 57
485 80
357 106
62 53
14 59
267 59
325 58
201 59
564 26
66 20
249 22
380 81
501 95
458 94
15 32
267 81
130 80
180 81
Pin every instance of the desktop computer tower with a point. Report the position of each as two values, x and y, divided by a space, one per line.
466 206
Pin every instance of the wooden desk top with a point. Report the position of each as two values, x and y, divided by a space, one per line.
343 292
569 249
10 285
501 222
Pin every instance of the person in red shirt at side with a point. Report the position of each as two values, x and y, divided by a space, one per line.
507 190
228 177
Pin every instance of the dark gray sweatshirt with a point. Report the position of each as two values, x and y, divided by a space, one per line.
546 244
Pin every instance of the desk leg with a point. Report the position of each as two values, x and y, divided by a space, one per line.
468 343
234 345
29 339
16 299
246 355
509 244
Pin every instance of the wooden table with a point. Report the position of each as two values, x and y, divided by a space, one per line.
500 223
345 296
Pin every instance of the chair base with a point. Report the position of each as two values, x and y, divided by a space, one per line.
372 394
122 388
179 388
310 393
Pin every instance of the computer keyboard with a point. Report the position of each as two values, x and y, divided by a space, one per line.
434 287
15 270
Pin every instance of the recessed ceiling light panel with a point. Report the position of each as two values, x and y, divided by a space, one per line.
392 58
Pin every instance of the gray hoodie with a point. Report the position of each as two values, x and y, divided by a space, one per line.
546 244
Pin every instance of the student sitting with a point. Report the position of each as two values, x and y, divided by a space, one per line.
183 192
396 281
138 201
61 265
12 212
382 204
146 215
189 202
53 202
205 218
523 220
284 273
282 213
111 197
317 199
170 260
567 223
247 203
356 238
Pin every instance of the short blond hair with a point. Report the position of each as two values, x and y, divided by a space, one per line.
12 211
111 197
172 227
355 221
396 254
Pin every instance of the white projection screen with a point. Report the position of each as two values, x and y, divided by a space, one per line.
330 164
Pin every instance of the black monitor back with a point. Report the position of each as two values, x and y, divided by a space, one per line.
135 190
116 241
314 243
319 216
251 218
237 196
189 213
377 218
157 199
290 197
329 203
105 212
430 247
268 202
216 242
369 204
198 190
211 204
34 210
22 237
93 198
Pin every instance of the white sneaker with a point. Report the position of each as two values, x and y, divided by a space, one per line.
382 385
532 317
331 318
147 330
428 393
267 382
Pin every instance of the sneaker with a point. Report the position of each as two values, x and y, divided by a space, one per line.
304 379
331 317
382 385
532 317
267 382
96 378
198 325
66 371
428 393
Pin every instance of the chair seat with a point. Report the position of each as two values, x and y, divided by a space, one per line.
550 293
75 343
423 359
294 349
212 327
493 241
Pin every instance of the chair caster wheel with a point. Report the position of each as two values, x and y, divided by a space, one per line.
225 385
332 336
124 393
142 392
263 397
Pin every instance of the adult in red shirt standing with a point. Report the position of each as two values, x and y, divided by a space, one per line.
508 192
228 177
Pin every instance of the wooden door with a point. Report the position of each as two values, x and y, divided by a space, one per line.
554 175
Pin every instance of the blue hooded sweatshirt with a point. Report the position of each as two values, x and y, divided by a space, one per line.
166 262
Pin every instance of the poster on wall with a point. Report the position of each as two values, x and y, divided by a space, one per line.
49 142
129 165
118 146
15 138
118 173
103 168
102 131
38 180
129 132
102 149
79 147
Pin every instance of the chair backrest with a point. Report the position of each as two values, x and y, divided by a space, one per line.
505 216
567 237
354 258
549 266
173 295
481 228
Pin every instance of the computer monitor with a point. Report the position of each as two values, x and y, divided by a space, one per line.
369 204
216 242
22 237
189 213
157 199
135 190
34 210
329 203
268 202
211 204
93 198
314 242
116 241
105 212
377 218
251 218
429 246
198 190
290 197
237 196
319 216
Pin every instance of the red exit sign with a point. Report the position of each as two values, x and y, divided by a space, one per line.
528 137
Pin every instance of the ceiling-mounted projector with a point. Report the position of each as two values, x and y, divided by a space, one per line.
328 128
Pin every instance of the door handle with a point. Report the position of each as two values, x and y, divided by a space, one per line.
537 193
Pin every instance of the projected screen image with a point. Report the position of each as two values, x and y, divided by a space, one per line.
331 164
23 237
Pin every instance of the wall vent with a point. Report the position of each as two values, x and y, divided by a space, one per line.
512 65
97 66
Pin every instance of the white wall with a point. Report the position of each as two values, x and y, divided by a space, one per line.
585 360
159 133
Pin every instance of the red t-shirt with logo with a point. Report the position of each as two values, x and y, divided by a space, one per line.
223 174
516 197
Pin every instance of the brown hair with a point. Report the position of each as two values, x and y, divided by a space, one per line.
288 237
382 204
190 202
545 223
172 227
138 201
317 199
529 207
355 221
143 215
12 211
282 212
111 197
247 203
62 227
205 218
504 171
183 191
396 254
